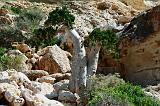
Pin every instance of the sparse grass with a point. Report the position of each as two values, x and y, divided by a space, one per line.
29 18
113 91
10 62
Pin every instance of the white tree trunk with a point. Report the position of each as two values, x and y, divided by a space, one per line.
79 63
92 61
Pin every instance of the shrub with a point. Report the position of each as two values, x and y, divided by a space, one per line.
107 38
111 92
10 62
9 35
29 18
59 16
44 37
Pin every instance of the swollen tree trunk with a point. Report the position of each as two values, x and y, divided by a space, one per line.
92 59
92 63
78 65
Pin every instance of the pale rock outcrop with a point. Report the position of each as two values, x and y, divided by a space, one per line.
139 48
54 60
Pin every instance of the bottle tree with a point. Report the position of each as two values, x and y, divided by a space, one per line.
83 65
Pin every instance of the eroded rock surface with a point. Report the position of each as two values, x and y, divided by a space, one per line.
140 47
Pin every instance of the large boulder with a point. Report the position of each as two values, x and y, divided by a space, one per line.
38 99
140 48
54 60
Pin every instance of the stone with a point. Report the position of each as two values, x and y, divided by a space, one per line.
62 85
20 78
14 96
60 76
139 48
5 21
38 99
22 47
41 88
18 102
34 74
46 79
55 60
103 6
137 4
3 11
124 19
67 96
4 76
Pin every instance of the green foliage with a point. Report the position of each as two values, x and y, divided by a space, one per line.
2 51
107 38
44 37
8 35
10 62
61 15
16 10
29 18
113 91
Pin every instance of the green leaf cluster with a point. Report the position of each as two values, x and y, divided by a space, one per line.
107 38
59 16
44 37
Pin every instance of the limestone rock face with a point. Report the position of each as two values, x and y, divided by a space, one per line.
140 47
54 60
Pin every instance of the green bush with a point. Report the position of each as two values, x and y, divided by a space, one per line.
107 38
9 35
113 91
29 18
59 16
10 62
44 37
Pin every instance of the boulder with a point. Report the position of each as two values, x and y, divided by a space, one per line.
62 85
38 99
67 96
139 48
34 74
20 78
46 79
137 4
54 60
22 47
45 89
60 76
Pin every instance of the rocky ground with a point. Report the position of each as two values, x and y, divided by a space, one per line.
30 85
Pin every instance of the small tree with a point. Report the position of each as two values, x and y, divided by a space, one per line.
82 66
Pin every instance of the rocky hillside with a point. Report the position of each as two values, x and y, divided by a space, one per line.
37 60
